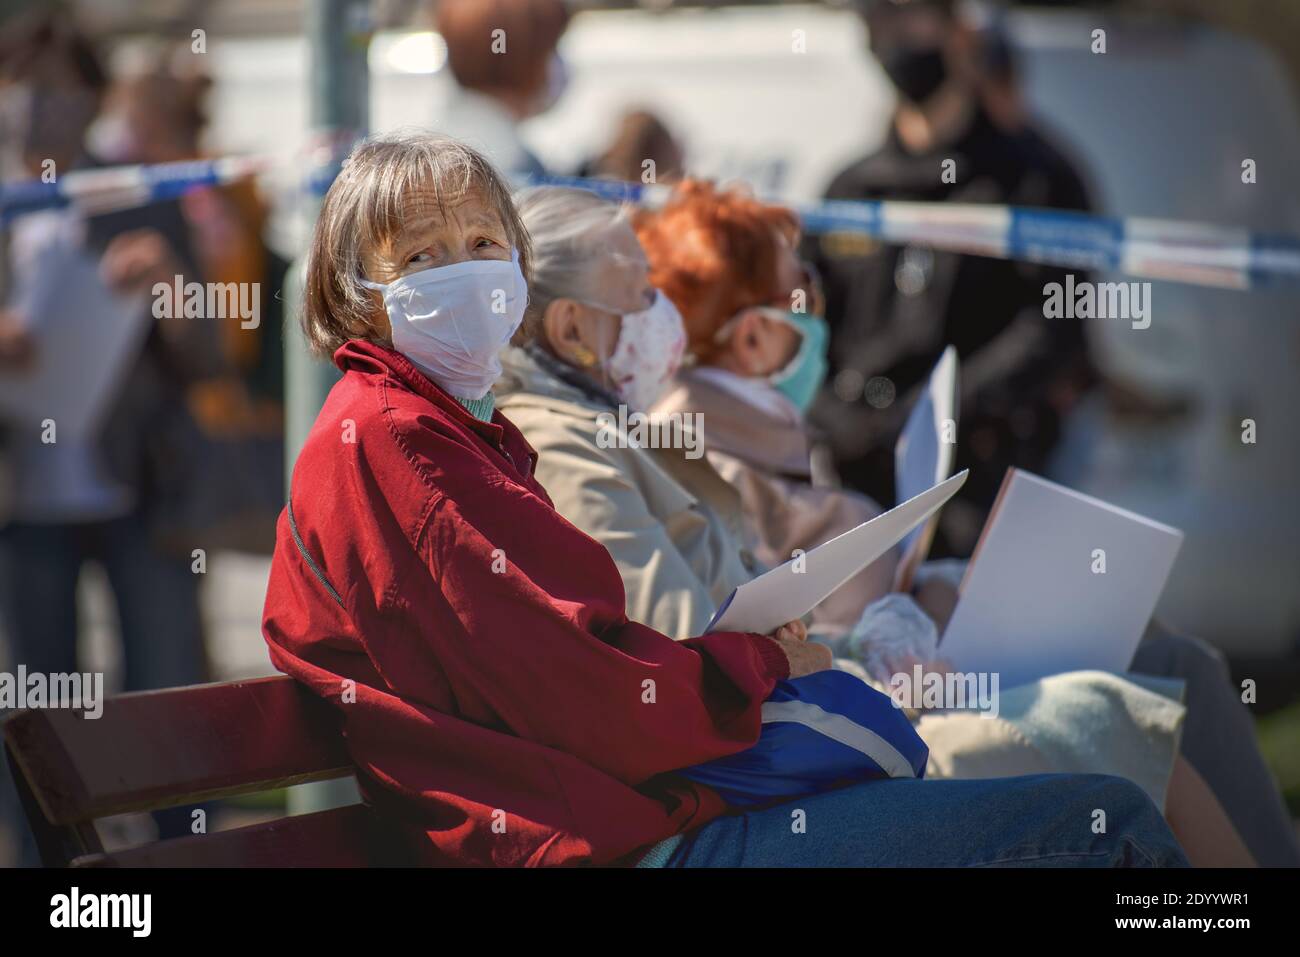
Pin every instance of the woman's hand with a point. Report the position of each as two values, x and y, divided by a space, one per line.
891 628
137 260
793 630
805 657
17 348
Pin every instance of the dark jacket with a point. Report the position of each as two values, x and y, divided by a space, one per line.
893 309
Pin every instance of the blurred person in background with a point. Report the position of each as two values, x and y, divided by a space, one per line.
643 150
157 114
502 55
892 309
52 86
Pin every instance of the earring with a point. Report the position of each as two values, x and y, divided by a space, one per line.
584 356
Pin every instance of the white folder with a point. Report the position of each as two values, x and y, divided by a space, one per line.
792 590
86 338
1059 581
923 458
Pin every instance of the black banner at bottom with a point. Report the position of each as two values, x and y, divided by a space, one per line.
380 907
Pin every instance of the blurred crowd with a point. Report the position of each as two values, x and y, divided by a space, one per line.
182 438
185 451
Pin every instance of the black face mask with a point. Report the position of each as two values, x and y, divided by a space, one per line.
916 72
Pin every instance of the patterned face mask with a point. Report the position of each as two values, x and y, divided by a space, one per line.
648 353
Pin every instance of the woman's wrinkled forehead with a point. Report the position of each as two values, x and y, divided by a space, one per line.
424 207
427 212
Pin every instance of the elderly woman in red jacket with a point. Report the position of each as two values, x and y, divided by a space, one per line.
496 699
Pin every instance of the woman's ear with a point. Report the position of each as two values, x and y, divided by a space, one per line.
562 332
376 321
759 345
377 316
747 343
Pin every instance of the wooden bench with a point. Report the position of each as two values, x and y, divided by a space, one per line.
180 746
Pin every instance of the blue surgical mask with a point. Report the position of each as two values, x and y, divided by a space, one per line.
802 377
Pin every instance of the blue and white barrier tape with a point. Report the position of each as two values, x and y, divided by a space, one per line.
1197 254
1191 253
110 188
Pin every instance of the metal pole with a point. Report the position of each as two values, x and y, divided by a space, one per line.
338 32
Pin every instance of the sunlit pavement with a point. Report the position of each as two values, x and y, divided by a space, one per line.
234 588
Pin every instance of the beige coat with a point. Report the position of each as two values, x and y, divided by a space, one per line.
671 523
768 460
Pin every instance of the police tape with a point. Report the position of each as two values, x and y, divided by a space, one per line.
112 188
1193 253
1197 254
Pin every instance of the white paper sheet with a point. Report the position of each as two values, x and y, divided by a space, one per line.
85 338
922 458
1032 603
792 590
85 341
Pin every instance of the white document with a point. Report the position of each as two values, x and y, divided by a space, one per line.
86 339
1035 602
792 590
923 457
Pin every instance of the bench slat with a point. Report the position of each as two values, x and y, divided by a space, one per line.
157 749
352 836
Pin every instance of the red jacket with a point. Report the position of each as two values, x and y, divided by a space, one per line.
503 701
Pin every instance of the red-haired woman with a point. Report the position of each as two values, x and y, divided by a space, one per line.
757 338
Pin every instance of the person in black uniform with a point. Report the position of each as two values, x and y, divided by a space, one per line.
893 309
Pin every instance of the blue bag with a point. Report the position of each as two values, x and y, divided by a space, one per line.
821 731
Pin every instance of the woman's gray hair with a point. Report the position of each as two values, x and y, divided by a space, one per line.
365 208
568 229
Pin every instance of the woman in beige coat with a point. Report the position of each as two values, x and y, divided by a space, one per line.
607 346
672 524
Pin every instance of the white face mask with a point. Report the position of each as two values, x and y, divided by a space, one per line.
648 353
453 321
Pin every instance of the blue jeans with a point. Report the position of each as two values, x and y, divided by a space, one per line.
1042 820
157 599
